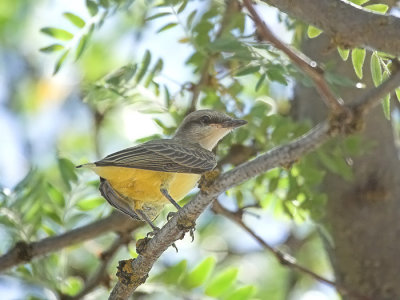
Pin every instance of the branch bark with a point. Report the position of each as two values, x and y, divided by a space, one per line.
347 25
23 252
134 272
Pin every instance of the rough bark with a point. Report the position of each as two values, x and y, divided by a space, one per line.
345 23
363 215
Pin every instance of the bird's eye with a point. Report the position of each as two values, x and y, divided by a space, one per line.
205 119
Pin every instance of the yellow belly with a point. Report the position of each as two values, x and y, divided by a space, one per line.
144 185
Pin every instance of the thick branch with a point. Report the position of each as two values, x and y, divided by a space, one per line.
24 252
348 25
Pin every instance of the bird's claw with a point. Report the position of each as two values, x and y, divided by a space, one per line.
152 233
171 215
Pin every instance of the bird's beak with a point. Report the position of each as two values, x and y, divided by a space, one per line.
233 123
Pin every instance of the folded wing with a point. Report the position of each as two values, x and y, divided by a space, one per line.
163 155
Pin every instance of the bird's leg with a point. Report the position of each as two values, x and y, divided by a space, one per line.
145 218
164 191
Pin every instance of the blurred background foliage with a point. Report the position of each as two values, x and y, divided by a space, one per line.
80 80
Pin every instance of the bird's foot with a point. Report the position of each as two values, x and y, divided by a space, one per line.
187 226
207 179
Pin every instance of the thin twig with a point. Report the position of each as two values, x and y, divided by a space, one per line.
284 258
23 252
307 65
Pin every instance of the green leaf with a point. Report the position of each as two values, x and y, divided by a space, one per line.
173 274
248 70
344 53
81 46
92 7
145 65
199 274
376 70
313 32
55 195
222 282
60 62
51 48
74 19
381 8
358 58
243 293
159 15
398 93
166 27
89 204
183 6
57 33
67 170
156 69
386 106
260 81
190 18
359 2
71 285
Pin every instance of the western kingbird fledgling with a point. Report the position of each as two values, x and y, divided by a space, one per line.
140 180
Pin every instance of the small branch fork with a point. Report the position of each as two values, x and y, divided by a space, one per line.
343 120
307 65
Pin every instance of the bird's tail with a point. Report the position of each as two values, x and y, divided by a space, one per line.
89 165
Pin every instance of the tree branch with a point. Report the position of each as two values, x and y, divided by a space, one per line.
134 272
348 25
307 65
101 275
23 252
284 258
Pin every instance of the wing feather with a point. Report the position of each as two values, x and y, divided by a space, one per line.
163 155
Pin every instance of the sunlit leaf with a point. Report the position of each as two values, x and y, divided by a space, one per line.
89 204
199 274
60 62
357 58
398 93
172 275
222 282
376 70
52 48
344 53
386 106
57 33
243 293
359 2
381 8
313 32
74 19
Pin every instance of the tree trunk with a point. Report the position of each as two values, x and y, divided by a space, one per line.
363 216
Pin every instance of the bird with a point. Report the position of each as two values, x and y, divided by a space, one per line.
140 180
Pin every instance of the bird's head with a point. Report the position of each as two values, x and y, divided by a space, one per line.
207 127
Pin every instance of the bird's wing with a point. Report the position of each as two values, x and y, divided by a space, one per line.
163 155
